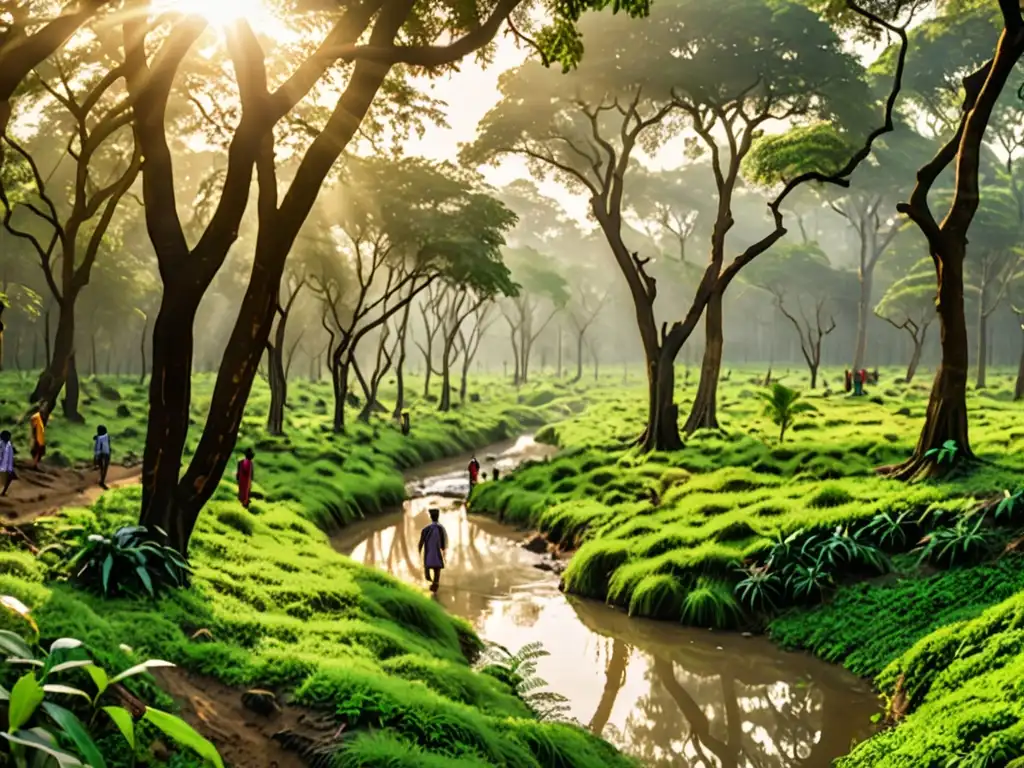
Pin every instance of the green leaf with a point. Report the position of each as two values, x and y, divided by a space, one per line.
26 696
99 678
184 735
146 581
65 666
125 723
39 739
138 669
67 690
108 564
77 732
14 645
64 644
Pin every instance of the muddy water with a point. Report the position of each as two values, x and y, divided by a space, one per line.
669 695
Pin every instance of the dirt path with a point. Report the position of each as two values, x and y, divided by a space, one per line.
40 492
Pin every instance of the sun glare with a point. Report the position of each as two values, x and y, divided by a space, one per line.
221 13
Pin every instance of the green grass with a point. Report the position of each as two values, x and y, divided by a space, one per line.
665 535
286 612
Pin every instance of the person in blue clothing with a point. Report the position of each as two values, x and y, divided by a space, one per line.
101 453
433 543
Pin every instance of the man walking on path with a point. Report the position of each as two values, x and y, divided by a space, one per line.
38 423
433 543
474 472
101 452
6 461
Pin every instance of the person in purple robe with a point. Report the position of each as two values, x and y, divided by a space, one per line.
433 543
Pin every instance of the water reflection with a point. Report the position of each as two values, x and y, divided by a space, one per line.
670 696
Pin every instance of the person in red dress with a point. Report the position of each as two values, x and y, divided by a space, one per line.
244 477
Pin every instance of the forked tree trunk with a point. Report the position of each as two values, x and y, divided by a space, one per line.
814 374
704 413
446 375
52 379
278 389
339 381
170 393
662 433
400 366
915 358
71 392
946 417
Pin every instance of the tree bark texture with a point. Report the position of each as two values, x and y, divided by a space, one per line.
704 413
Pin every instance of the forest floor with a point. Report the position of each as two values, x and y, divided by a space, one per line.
280 610
43 491
913 585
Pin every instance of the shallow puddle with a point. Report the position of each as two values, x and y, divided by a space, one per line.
669 695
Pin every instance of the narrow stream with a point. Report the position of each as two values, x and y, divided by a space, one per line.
667 694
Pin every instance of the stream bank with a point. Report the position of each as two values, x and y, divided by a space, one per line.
665 694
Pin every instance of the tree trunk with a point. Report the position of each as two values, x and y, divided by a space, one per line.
863 314
662 432
946 417
52 379
142 352
339 380
71 393
579 358
464 384
400 368
981 379
278 378
446 376
94 366
915 358
814 374
704 413
170 393
1018 390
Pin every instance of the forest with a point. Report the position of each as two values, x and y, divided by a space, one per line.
510 383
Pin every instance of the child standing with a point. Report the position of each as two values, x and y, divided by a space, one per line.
101 452
244 477
38 424
6 461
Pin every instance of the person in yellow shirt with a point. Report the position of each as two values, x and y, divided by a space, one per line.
38 423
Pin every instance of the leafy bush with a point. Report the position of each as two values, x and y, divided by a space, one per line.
711 604
760 588
128 563
965 542
39 729
519 671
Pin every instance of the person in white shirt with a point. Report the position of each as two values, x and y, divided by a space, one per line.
102 454
6 461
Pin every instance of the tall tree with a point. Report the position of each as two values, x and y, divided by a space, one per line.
395 31
543 293
696 59
87 107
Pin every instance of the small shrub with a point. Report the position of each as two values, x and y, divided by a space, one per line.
238 519
128 563
759 589
519 672
965 542
711 604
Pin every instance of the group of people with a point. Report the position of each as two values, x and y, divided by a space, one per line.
474 473
858 380
37 435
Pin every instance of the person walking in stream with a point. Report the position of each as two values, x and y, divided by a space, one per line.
101 453
474 473
433 543
244 477
6 462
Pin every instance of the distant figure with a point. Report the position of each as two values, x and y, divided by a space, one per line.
849 381
405 422
474 472
6 461
873 376
101 453
244 477
494 474
433 543
863 376
38 425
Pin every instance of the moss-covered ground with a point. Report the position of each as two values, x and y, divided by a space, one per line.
282 610
673 536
